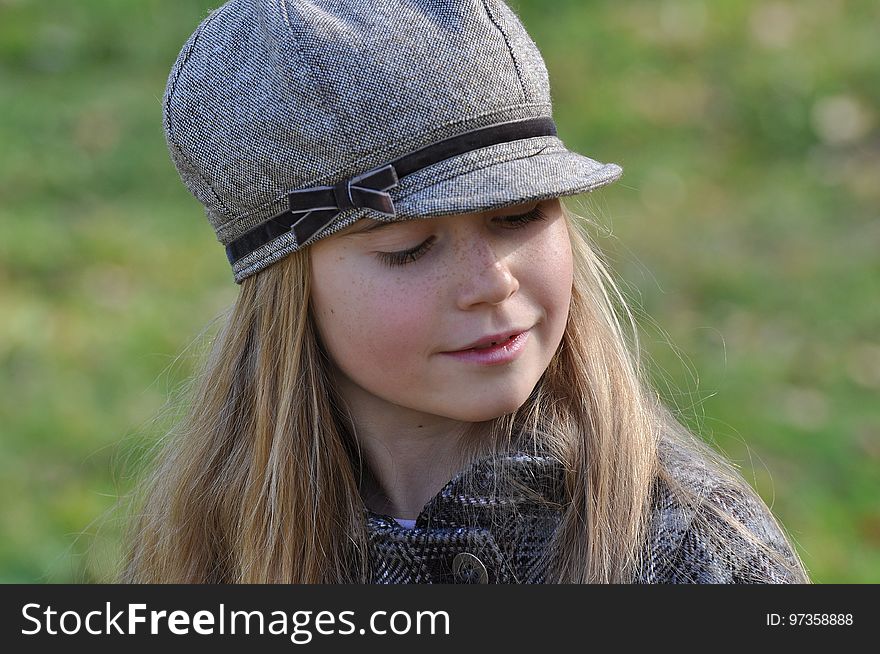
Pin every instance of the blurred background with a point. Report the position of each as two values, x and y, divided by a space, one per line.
745 231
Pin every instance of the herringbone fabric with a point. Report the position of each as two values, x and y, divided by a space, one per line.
507 524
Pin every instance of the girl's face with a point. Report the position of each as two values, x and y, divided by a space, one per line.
398 304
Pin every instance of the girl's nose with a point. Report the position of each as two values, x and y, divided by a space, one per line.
486 277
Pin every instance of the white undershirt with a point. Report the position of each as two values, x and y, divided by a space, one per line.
406 522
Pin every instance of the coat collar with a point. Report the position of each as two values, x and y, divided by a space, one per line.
491 523
499 527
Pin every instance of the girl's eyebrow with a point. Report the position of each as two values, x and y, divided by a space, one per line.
369 228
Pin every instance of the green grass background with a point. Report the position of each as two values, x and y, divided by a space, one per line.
745 228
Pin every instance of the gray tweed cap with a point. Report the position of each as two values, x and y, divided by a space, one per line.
290 120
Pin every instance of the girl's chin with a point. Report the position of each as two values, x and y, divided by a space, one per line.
480 412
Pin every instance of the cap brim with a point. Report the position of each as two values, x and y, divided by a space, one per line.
485 179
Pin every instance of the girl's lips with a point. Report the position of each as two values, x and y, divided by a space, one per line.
504 352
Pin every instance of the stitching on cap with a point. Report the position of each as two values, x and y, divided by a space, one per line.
171 90
314 65
281 5
519 76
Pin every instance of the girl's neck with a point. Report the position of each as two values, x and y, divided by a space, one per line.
405 473
410 455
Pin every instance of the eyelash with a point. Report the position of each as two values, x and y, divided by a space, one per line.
407 256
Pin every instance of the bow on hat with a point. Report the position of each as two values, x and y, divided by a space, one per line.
310 210
321 204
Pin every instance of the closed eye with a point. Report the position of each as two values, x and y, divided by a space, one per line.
401 258
510 222
523 219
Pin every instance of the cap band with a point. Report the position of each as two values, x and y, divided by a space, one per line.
311 210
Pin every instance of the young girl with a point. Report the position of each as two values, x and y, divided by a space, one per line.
424 378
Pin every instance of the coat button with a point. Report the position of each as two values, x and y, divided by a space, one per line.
468 569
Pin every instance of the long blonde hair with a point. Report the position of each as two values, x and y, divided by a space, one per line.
259 483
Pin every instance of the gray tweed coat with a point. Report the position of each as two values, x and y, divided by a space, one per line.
456 541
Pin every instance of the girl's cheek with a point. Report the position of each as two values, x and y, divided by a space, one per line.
549 265
401 315
554 282
404 315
